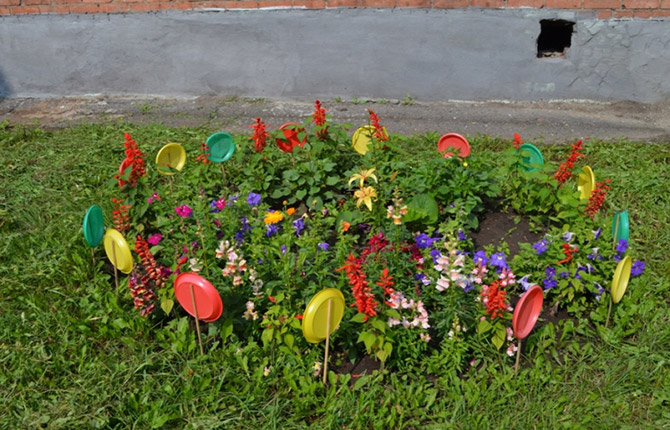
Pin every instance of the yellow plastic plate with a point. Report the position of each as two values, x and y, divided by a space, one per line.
171 155
362 139
116 246
621 278
315 318
586 182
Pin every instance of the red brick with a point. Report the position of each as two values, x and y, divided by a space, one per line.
644 14
378 3
84 8
54 9
604 14
639 4
450 4
602 4
35 2
665 4
241 4
660 13
56 2
623 13
109 8
564 4
342 3
20 10
142 7
4 10
157 1
414 3
525 3
209 5
176 6
487 3
309 4
275 3
10 2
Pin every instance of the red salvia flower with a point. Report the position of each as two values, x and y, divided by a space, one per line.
568 251
495 299
386 282
120 216
365 301
517 141
142 292
380 133
204 154
597 198
565 169
319 119
135 160
260 135
153 269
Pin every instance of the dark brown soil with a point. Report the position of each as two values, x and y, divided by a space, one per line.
500 227
363 366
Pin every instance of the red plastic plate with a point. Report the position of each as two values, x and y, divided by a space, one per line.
452 142
527 312
207 299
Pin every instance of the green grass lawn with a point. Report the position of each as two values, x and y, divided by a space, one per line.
71 356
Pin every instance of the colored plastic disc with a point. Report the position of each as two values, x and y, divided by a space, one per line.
171 155
527 311
621 278
586 183
207 298
362 139
451 142
94 226
291 131
533 158
315 318
622 230
221 147
117 247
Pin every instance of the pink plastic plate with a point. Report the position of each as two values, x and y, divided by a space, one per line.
527 312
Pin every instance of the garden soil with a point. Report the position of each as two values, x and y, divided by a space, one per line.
540 121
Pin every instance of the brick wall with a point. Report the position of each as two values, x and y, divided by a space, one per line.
641 9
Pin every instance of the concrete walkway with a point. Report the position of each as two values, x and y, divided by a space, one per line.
547 122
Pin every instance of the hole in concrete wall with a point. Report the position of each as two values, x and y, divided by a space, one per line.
555 37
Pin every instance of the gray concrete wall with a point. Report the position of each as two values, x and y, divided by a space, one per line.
430 54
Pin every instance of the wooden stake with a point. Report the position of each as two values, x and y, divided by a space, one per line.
518 356
609 310
92 258
325 357
116 275
197 320
616 231
223 172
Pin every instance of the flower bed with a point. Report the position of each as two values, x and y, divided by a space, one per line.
286 214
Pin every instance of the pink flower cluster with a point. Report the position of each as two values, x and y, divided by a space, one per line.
236 265
450 267
418 313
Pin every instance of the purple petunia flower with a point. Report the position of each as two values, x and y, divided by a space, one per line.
271 230
435 254
253 199
550 272
423 240
524 283
621 246
323 246
480 258
549 281
299 225
461 235
637 268
563 275
283 250
541 246
498 261
596 233
567 236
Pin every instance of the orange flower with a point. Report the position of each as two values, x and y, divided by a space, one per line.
290 211
565 169
273 217
345 226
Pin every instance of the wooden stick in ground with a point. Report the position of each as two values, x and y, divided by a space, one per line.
325 357
518 356
92 258
116 275
616 231
609 310
197 320
223 172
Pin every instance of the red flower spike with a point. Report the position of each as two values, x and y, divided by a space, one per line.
319 119
134 158
365 301
565 169
260 135
386 282
120 216
204 156
496 300
517 141
379 133
597 198
568 251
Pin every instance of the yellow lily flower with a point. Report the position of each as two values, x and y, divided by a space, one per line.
365 174
365 195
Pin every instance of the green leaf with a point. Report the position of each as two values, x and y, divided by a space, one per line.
332 180
483 326
300 194
379 325
358 318
422 207
289 339
227 328
499 336
266 337
167 305
368 339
